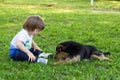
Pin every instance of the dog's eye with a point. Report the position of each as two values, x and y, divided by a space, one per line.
58 49
64 58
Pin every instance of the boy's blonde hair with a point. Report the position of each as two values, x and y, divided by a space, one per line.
34 22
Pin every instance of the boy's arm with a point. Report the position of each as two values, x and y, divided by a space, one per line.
21 46
36 47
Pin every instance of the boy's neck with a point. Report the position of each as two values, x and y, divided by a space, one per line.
29 32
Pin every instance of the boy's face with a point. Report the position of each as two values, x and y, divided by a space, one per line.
35 32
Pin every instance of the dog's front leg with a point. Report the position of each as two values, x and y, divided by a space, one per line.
69 60
59 62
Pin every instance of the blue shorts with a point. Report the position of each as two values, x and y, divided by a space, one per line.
19 55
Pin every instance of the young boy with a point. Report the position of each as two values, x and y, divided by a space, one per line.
23 47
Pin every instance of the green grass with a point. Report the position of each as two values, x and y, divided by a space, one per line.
76 20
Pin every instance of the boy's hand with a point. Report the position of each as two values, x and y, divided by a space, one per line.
31 57
37 48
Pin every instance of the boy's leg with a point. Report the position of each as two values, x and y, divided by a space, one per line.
46 55
41 54
36 52
20 56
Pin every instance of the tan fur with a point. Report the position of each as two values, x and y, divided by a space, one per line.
102 57
68 60
61 56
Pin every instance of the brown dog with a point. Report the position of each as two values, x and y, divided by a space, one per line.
70 51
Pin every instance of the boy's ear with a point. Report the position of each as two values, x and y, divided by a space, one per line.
60 48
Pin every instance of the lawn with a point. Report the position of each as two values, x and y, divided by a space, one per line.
77 20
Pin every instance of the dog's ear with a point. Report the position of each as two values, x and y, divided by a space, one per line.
60 48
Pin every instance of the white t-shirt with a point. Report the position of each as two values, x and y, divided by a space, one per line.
23 36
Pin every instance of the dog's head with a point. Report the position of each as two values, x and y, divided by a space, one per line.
60 54
60 48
